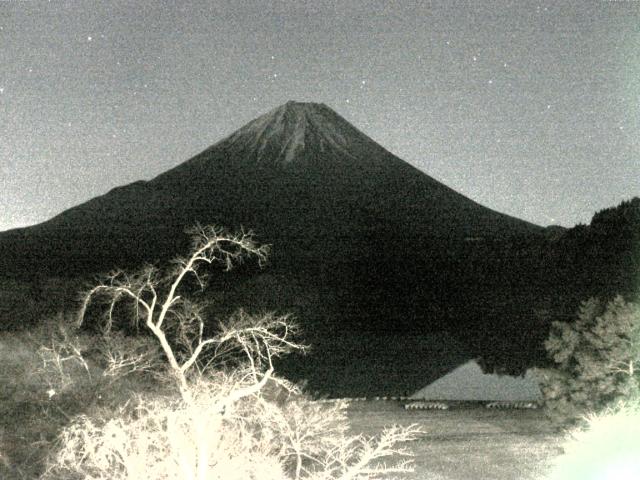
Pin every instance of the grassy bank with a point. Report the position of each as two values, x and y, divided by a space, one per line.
468 443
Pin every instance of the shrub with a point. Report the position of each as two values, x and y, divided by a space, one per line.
597 360
255 438
52 373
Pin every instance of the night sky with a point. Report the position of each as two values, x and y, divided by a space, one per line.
530 108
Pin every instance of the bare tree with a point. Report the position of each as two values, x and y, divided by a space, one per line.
159 306
224 425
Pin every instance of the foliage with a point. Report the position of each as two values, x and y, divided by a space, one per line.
619 220
165 438
602 259
54 372
228 418
597 359
607 448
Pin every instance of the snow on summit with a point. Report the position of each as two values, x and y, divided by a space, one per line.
292 127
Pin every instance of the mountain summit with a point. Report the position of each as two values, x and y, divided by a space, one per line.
302 134
282 134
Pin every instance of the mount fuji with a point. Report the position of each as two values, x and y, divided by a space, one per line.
365 246
300 174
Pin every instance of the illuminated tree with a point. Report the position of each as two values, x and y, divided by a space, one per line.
597 359
234 418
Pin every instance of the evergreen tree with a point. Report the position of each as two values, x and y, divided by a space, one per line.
597 359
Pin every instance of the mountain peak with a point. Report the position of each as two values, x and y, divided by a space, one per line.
293 104
284 133
298 114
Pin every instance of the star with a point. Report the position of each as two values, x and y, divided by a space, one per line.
475 59
1 89
89 39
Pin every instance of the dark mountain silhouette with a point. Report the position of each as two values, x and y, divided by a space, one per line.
375 258
299 175
601 259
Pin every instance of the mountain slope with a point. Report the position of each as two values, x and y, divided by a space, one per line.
300 173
